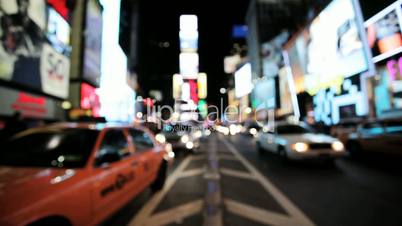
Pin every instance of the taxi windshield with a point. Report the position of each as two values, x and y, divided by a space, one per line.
62 148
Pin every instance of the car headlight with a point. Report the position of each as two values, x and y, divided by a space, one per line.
198 134
160 138
253 131
169 154
337 146
185 138
189 145
300 147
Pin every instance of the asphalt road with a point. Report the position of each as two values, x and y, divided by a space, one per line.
263 190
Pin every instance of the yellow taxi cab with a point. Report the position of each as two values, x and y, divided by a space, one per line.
77 173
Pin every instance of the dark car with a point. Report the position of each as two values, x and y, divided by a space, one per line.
377 136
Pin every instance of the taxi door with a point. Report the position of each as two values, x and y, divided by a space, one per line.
147 155
112 173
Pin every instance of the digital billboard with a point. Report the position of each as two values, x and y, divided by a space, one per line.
93 43
25 57
272 55
330 49
189 65
384 32
243 82
90 99
58 31
264 94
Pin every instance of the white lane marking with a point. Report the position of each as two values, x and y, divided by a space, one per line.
257 214
144 214
291 208
192 173
237 173
176 214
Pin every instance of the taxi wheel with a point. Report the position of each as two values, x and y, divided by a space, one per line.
158 183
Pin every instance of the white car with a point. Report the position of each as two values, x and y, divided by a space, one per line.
299 142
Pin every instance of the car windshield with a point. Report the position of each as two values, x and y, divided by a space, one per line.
63 148
293 129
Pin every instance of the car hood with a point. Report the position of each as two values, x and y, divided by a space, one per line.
20 187
309 138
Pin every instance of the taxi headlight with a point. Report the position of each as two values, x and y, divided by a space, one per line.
185 139
160 138
189 145
300 147
337 146
198 134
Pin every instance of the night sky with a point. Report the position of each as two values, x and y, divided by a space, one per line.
159 23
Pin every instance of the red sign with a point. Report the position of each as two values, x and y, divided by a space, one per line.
193 90
60 7
30 105
89 99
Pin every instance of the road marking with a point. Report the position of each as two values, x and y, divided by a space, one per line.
258 214
295 214
192 173
144 215
236 173
176 214
213 197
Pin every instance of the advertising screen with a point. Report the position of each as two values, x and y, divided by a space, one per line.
189 65
264 94
384 32
58 31
89 99
272 55
25 58
93 43
330 49
243 83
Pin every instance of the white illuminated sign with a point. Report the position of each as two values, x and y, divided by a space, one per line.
189 65
243 83
188 23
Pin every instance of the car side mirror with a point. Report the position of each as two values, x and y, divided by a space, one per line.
107 158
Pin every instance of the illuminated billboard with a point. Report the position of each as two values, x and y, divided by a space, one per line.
58 31
332 48
202 85
25 57
93 43
189 65
243 82
264 94
90 99
384 32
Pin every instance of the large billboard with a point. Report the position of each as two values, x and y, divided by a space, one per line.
384 32
332 48
385 40
243 82
327 59
93 43
25 57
